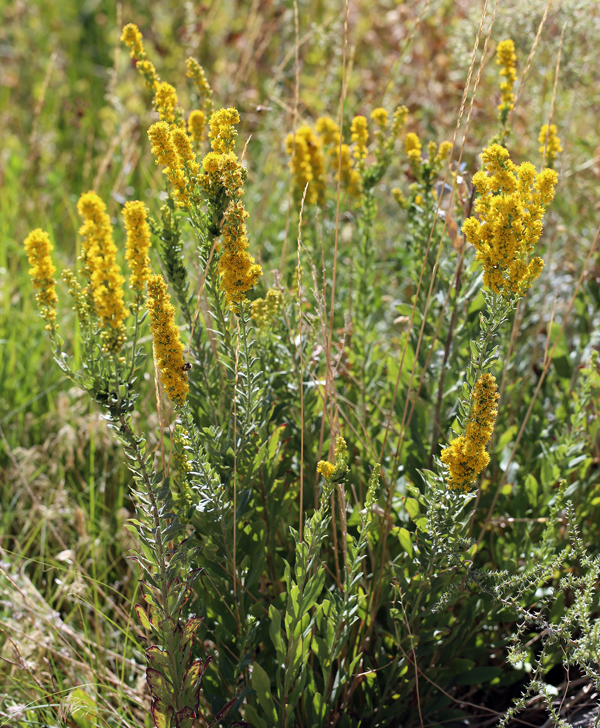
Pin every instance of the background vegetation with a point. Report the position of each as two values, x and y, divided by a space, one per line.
74 115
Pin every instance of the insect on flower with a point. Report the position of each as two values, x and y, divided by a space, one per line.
186 367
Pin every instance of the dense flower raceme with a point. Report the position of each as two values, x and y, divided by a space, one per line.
165 102
196 73
552 145
98 254
511 205
168 348
307 164
132 38
412 147
38 247
166 150
266 310
137 244
507 59
466 456
359 135
197 126
340 156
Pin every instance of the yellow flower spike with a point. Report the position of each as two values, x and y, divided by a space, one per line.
552 147
132 38
360 135
466 456
222 133
381 117
164 149
444 151
211 162
137 244
307 164
511 206
168 348
507 59
328 130
400 116
38 247
185 152
398 195
265 311
165 102
326 469
197 126
99 255
412 147
82 306
196 73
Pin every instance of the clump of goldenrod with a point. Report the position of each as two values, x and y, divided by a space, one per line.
137 243
165 101
132 38
511 206
506 58
168 348
266 310
38 247
466 456
99 256
550 142
307 164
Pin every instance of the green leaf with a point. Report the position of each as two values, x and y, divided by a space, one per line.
275 632
478 676
531 488
83 708
143 617
412 506
405 542
313 589
253 717
262 684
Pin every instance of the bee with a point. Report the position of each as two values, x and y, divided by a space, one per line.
186 367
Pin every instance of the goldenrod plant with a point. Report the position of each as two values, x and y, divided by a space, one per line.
361 448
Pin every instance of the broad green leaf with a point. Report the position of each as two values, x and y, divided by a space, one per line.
405 542
262 684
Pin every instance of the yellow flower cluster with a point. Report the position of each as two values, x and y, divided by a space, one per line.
166 146
466 456
165 102
99 256
265 311
326 469
307 164
168 348
552 147
329 133
196 73
381 117
137 243
511 205
360 135
412 147
133 40
38 247
223 171
507 59
197 126
222 130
